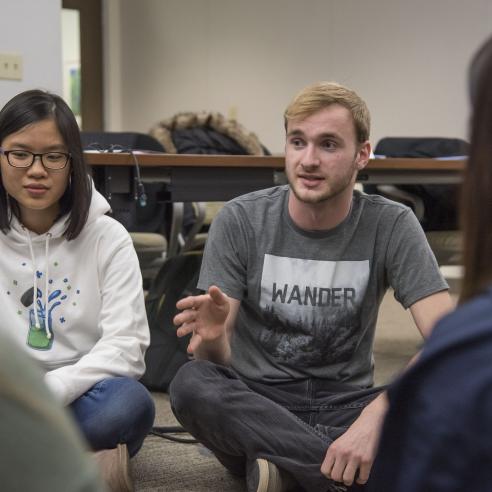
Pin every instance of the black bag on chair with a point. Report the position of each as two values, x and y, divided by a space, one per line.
176 279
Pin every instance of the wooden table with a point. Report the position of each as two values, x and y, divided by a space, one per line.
208 178
221 177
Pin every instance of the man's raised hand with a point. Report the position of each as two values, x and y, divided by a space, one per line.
204 316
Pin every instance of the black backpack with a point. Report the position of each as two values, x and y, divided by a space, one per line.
177 278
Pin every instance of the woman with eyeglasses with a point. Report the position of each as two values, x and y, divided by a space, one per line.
71 288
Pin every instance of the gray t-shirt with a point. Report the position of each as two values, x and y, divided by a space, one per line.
310 299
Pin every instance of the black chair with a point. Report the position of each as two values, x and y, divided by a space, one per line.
434 205
146 222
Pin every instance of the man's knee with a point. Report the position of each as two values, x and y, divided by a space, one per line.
194 386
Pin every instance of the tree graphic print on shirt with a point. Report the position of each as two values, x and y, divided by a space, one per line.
311 309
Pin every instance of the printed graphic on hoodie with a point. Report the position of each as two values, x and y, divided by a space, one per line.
311 309
40 335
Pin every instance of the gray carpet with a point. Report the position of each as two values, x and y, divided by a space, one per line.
163 465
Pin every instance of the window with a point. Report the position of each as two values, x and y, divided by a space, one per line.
82 61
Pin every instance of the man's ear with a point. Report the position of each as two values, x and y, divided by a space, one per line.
363 155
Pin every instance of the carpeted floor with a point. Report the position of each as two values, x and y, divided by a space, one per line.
162 465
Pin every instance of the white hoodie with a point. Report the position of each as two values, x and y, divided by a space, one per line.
94 324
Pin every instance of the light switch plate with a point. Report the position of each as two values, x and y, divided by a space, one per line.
10 66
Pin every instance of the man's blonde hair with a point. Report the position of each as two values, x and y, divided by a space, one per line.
318 96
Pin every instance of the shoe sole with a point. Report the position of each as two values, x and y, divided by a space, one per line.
124 461
268 477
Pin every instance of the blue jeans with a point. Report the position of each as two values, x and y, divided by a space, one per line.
291 424
115 410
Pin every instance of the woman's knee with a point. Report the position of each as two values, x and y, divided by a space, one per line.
143 405
117 407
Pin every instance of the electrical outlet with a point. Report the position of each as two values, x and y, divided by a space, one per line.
10 66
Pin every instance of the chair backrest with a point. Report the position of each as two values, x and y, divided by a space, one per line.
127 140
152 216
421 147
439 201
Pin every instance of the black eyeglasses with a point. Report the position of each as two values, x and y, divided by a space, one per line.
24 158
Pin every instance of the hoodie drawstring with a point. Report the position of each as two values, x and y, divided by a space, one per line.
35 282
46 284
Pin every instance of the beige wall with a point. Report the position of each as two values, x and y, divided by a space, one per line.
32 29
408 60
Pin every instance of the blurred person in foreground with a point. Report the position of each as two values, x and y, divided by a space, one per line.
437 436
40 445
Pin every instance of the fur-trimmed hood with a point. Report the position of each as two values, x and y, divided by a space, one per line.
169 131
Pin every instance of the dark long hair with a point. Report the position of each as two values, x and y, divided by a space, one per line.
476 198
31 107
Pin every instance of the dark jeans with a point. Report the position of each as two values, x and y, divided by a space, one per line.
115 410
290 424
